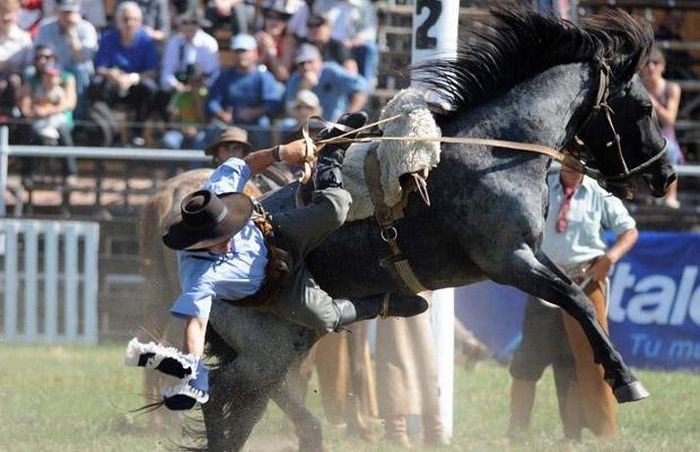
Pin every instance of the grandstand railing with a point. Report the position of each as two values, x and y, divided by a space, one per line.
135 154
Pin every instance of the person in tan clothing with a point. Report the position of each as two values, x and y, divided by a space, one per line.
407 381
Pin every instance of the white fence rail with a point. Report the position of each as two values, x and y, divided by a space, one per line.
49 279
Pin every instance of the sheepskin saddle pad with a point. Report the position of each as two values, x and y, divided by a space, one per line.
396 158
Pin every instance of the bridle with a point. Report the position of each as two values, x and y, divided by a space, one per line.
601 105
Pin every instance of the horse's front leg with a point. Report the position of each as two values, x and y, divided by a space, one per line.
538 276
306 426
233 408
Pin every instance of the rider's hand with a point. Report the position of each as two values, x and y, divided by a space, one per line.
295 153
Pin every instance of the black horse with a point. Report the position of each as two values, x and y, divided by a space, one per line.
531 79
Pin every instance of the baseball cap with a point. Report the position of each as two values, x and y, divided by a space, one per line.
306 52
243 41
315 20
68 5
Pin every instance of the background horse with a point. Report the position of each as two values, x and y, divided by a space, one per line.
532 79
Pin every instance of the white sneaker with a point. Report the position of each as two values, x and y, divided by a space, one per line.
49 132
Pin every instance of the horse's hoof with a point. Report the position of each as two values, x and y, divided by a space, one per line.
630 392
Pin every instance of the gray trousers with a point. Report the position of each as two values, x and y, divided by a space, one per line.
301 231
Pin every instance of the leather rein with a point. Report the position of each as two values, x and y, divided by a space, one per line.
565 159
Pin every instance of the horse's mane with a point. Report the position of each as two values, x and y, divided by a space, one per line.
515 44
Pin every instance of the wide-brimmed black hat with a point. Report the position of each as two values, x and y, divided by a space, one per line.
207 219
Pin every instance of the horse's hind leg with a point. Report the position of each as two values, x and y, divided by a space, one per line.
540 278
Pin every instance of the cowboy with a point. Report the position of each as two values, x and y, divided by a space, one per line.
222 255
230 142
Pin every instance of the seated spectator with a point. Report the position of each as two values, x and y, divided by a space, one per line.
155 17
48 98
92 11
126 65
227 17
75 43
15 55
339 90
275 45
319 34
30 14
245 94
189 51
352 22
355 24
186 109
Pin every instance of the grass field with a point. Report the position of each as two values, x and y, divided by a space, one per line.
78 399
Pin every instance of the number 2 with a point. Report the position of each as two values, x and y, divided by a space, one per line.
423 41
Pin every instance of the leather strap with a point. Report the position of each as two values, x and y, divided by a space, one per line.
396 263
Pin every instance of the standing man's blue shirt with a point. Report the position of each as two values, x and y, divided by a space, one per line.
335 86
206 276
140 56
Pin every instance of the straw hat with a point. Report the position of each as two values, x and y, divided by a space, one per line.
229 135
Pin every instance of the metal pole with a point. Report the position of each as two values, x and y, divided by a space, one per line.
4 151
435 32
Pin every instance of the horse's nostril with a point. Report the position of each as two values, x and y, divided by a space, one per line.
669 180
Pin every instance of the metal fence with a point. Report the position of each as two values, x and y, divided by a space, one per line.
49 281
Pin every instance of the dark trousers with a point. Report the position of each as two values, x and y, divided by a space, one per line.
301 231
139 98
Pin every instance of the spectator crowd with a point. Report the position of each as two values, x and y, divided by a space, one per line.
197 66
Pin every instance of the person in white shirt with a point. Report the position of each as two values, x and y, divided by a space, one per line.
579 211
188 51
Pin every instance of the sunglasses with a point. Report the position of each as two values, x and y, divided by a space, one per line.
275 16
189 22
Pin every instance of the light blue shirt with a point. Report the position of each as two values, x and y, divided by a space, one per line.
206 276
592 211
335 87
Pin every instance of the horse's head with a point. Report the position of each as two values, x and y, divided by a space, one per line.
625 141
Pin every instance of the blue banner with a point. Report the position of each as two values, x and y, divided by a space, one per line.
654 305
